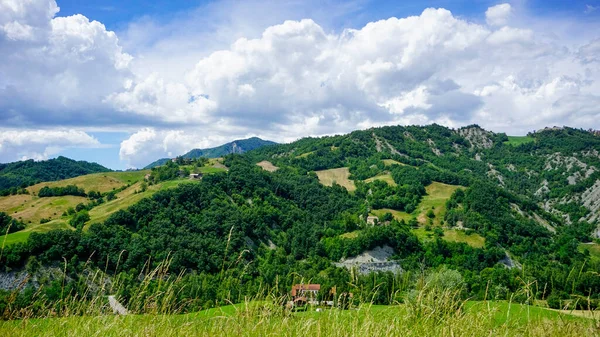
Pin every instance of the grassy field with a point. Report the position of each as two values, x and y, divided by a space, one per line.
387 177
518 140
338 175
127 198
267 166
21 236
452 235
264 319
31 209
390 162
437 195
592 248
101 182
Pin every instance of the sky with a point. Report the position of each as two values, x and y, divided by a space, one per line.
123 83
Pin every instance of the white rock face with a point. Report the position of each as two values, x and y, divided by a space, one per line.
478 137
376 260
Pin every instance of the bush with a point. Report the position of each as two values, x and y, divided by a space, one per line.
554 301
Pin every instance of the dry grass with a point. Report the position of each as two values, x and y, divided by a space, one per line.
101 182
386 177
31 210
339 176
267 166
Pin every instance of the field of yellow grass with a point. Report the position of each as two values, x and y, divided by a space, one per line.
267 166
101 182
386 177
340 176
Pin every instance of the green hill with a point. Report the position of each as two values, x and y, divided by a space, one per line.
381 213
237 146
29 172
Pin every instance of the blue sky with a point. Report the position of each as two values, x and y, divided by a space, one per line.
123 83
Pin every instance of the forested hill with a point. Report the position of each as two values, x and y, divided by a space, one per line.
368 212
25 173
237 146
557 169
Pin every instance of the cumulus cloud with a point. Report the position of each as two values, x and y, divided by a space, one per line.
498 15
296 78
149 144
56 70
40 144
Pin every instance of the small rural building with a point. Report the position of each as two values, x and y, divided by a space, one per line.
372 220
305 293
195 176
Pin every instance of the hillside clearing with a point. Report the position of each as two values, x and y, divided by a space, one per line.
452 235
101 182
22 236
390 162
127 198
31 210
592 248
386 177
267 166
437 195
339 175
519 140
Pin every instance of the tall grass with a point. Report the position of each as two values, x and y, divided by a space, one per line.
436 307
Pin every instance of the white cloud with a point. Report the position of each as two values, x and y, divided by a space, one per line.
40 144
149 144
291 79
56 70
498 15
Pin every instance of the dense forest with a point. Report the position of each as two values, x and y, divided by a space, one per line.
18 175
236 233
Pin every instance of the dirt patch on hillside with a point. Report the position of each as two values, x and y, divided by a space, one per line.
267 166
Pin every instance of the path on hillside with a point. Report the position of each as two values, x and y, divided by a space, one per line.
117 307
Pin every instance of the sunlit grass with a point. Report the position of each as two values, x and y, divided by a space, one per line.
519 140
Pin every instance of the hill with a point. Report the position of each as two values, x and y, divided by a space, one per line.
237 146
25 173
377 213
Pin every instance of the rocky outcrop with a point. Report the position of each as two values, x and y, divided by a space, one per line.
477 137
376 260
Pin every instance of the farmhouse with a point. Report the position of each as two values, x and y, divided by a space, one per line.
306 293
372 220
195 175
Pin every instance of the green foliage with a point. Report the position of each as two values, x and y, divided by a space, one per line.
29 172
61 191
9 225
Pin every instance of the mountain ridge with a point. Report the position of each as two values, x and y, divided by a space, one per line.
236 146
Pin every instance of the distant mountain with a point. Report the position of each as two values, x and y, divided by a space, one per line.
237 146
29 172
